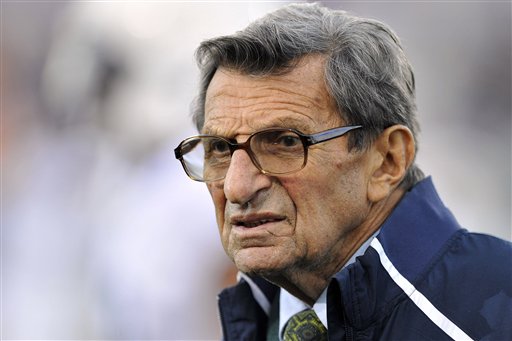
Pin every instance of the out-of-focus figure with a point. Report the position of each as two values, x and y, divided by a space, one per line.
97 248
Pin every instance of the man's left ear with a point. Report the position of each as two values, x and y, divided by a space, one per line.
391 155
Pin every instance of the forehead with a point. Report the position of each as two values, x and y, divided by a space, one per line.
237 103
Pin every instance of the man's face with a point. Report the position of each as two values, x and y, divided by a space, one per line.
274 225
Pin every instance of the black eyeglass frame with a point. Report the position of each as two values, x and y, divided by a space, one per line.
307 140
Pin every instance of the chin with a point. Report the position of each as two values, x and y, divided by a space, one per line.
260 263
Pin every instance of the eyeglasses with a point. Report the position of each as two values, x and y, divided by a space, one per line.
273 151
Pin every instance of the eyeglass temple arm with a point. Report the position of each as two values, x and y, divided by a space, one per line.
330 134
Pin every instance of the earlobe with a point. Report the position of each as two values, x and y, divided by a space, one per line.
392 154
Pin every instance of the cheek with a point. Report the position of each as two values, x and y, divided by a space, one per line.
308 197
219 201
329 198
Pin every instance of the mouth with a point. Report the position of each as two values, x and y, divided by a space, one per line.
255 220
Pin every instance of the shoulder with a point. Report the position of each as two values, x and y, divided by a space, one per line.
480 250
472 259
471 282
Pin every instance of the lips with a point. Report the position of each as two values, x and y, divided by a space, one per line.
252 221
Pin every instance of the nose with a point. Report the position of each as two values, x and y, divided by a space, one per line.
243 180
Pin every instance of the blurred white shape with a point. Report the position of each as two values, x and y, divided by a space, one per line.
112 234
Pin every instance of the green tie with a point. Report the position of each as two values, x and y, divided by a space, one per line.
305 326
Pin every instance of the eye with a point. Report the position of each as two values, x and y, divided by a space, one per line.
287 140
215 147
218 147
278 141
281 139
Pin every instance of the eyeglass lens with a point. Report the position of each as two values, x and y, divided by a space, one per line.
207 158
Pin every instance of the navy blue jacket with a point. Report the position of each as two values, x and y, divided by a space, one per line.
422 278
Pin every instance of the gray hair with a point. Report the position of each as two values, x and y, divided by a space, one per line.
367 72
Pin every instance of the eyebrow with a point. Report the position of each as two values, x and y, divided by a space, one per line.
277 122
288 122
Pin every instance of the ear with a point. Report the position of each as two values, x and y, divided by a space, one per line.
391 155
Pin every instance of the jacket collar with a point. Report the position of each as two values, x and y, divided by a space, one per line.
412 237
417 229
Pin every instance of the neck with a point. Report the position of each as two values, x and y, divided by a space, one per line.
308 283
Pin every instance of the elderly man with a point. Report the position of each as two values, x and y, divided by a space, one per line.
307 146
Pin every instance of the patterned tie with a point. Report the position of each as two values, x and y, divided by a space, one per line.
305 326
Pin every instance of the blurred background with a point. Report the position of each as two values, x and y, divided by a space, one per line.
104 237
